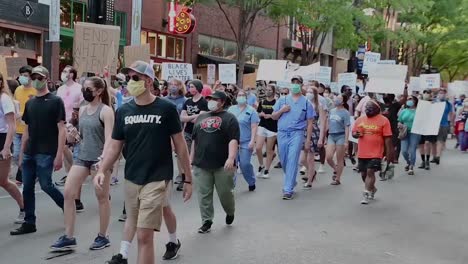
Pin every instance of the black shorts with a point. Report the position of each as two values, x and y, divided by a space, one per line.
365 164
2 141
431 139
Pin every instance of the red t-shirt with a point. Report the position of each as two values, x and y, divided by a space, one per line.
371 144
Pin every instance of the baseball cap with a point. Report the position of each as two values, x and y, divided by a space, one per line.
218 95
140 67
297 77
41 70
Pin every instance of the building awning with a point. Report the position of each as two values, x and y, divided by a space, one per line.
204 60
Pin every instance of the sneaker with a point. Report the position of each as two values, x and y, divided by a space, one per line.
20 219
114 181
117 259
64 244
321 170
382 176
437 160
353 160
372 194
180 187
25 228
229 219
123 218
366 198
260 170
278 165
407 167
205 228
100 242
410 170
266 174
422 166
178 179
172 250
252 188
287 196
307 186
303 170
79 206
62 181
434 160
428 165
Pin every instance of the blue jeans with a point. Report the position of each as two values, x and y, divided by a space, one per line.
409 146
16 147
289 146
38 166
245 155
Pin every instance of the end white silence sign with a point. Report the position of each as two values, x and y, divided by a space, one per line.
180 71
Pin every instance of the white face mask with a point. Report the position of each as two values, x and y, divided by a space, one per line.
212 105
64 77
310 96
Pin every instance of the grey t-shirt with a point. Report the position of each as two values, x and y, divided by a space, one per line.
338 121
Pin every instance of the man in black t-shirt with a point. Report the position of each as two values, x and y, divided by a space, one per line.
42 147
390 109
146 127
214 150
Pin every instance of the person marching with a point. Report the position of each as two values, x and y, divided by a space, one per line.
42 147
410 141
215 145
447 118
144 125
248 120
295 114
96 122
375 135
427 142
7 132
267 130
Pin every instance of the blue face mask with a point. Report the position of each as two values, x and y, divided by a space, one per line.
241 100
295 88
410 103
23 80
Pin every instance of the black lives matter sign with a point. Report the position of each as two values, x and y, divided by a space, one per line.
95 48
181 71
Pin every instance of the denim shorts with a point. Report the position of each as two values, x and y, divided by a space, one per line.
337 139
89 164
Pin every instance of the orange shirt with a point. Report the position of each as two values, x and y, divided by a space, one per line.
371 144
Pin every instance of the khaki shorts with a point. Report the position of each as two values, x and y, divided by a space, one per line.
144 204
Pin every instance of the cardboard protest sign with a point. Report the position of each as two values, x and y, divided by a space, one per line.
369 59
13 65
271 70
387 78
324 75
348 78
95 47
414 84
392 62
180 71
425 110
430 81
307 73
211 73
134 53
227 73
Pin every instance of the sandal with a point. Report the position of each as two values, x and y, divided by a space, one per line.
305 179
335 182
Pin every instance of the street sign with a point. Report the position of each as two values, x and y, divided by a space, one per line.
27 10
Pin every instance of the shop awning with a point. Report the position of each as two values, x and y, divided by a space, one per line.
204 60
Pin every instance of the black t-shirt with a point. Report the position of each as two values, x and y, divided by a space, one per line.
194 108
266 107
146 131
391 113
212 134
42 114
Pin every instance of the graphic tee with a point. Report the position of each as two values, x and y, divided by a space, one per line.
373 130
212 134
146 131
194 108
42 114
338 121
266 107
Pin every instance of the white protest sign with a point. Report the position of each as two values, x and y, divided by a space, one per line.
427 118
430 81
387 78
324 75
392 62
283 84
211 73
351 122
95 47
414 84
271 70
334 87
369 59
458 88
180 71
306 72
227 73
348 78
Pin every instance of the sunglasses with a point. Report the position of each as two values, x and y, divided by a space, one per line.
40 78
135 77
284 93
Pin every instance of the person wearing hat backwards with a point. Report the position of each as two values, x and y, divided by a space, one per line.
144 125
295 114
214 151
191 109
42 147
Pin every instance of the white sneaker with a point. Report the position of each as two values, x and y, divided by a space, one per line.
366 197
372 194
303 170
20 219
321 170
266 174
260 171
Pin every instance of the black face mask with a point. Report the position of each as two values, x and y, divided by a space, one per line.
88 95
372 111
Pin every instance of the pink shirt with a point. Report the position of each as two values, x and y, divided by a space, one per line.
361 107
71 96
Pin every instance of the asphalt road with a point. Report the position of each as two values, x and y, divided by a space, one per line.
414 220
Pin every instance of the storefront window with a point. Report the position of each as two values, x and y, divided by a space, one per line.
250 55
71 11
203 45
230 50
78 12
18 39
179 49
65 14
164 46
161 47
170 48
217 47
152 42
143 37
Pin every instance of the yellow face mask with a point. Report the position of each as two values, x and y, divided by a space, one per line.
136 88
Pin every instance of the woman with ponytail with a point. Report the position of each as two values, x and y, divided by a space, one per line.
96 121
